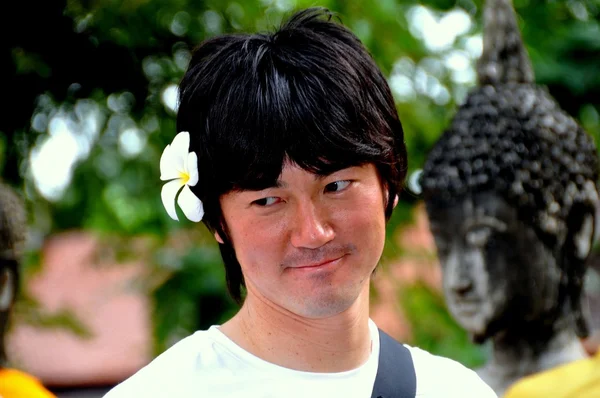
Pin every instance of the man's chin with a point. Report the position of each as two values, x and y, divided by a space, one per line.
325 306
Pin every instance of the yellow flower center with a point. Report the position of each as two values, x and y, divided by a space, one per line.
184 177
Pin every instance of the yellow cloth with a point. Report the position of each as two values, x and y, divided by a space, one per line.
16 384
579 379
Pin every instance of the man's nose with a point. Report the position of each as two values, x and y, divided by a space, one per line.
312 228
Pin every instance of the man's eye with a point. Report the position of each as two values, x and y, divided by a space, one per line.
337 186
268 201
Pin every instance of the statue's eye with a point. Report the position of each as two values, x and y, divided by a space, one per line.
442 246
478 236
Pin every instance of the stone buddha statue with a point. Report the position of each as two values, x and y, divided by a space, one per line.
511 193
13 222
12 236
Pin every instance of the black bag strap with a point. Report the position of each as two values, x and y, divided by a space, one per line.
396 376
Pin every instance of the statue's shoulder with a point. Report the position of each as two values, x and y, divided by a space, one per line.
579 379
443 377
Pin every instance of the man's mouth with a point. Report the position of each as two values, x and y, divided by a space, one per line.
319 263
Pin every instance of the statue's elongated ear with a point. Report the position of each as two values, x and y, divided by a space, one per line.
581 228
596 222
7 289
581 223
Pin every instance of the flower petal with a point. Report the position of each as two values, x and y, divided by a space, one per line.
168 194
181 144
190 204
168 170
192 169
174 157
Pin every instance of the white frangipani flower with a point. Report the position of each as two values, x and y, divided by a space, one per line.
180 165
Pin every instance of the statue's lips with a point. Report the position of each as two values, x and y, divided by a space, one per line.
467 307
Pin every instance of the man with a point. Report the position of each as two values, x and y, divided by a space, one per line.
13 383
291 152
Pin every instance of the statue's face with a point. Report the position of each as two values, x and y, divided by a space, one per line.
497 274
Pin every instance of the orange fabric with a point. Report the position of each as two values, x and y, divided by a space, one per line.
16 384
579 379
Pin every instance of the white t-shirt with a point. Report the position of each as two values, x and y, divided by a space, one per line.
209 364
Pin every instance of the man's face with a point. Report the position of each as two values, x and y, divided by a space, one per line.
310 244
497 274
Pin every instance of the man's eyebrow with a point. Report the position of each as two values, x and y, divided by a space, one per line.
318 177
282 184
262 187
322 176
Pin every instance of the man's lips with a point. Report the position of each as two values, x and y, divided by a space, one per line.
318 264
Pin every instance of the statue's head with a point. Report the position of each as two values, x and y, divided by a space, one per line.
12 237
510 191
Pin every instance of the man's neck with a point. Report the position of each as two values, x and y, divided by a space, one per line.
333 344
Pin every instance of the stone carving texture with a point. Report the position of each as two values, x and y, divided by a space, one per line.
511 192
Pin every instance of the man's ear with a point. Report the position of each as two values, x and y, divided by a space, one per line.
7 289
218 238
389 194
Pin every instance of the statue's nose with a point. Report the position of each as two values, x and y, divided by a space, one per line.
457 274
462 286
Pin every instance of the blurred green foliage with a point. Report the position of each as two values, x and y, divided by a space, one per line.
91 83
191 299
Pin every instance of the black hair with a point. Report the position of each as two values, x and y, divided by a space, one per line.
308 93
